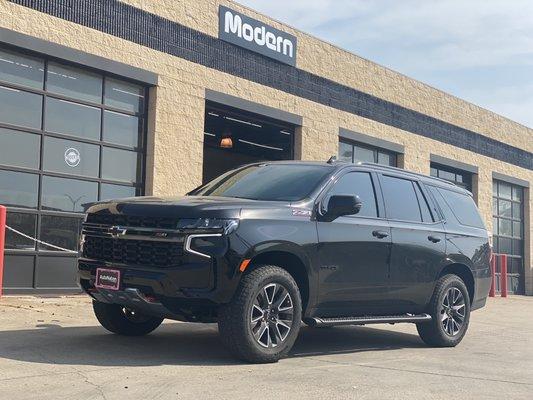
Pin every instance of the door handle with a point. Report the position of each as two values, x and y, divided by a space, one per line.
380 234
434 239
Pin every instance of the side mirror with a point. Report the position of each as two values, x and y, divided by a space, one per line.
339 205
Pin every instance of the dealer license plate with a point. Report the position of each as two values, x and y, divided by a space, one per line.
107 279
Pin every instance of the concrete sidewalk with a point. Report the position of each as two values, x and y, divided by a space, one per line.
53 348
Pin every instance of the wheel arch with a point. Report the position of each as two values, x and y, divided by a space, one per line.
463 272
292 263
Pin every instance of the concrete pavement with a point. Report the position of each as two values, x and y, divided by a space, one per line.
52 348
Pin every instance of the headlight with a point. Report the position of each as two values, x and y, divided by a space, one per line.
225 226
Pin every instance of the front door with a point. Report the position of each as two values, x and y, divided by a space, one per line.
354 253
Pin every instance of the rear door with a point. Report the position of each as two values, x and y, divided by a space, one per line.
418 243
354 251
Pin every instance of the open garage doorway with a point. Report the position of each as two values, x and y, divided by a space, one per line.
234 137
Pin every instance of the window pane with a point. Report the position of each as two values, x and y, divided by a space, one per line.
449 176
400 199
434 172
123 95
21 69
19 149
494 206
364 155
72 119
505 190
463 207
345 152
358 184
505 245
121 129
517 229
505 227
74 82
20 108
108 192
518 247
70 157
18 189
504 208
517 193
386 159
62 194
119 165
24 223
517 210
60 231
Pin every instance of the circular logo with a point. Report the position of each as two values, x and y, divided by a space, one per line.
72 157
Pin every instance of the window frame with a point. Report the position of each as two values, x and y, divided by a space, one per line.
375 149
140 148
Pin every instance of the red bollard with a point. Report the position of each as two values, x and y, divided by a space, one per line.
492 291
503 275
3 212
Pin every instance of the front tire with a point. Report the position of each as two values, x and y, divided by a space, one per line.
261 323
450 312
124 321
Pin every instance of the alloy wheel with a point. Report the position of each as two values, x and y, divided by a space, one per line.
271 316
453 311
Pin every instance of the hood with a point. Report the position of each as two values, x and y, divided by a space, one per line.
182 207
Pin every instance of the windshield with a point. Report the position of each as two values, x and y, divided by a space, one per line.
270 182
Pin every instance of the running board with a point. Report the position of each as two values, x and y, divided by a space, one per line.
377 319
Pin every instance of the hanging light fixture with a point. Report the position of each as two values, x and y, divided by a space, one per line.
226 142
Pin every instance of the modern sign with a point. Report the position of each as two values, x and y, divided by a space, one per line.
243 31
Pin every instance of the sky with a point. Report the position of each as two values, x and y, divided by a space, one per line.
478 50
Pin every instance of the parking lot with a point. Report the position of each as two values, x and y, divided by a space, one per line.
53 348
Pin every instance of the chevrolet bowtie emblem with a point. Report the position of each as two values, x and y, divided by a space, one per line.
116 231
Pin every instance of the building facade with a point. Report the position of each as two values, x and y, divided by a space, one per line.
104 99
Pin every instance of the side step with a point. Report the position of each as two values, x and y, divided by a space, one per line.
374 319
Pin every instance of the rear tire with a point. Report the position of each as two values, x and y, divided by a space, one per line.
123 321
450 312
261 323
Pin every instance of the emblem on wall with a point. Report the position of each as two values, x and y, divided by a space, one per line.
72 157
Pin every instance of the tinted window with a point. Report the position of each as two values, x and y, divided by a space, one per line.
73 82
424 207
72 119
360 184
24 223
276 182
62 194
19 149
119 165
60 231
345 152
121 129
125 96
18 189
400 199
108 192
21 69
463 207
20 108
363 154
70 157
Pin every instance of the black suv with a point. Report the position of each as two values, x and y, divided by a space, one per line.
268 245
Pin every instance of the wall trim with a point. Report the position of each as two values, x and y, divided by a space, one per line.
371 141
155 32
434 158
250 106
74 56
510 179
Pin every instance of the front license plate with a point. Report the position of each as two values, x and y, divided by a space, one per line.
107 279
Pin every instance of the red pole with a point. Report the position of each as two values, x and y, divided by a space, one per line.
503 275
492 291
3 212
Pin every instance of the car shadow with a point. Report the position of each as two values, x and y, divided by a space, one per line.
176 344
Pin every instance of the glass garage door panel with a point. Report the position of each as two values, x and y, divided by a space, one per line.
68 138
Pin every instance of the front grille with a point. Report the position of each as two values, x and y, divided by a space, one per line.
133 252
132 220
